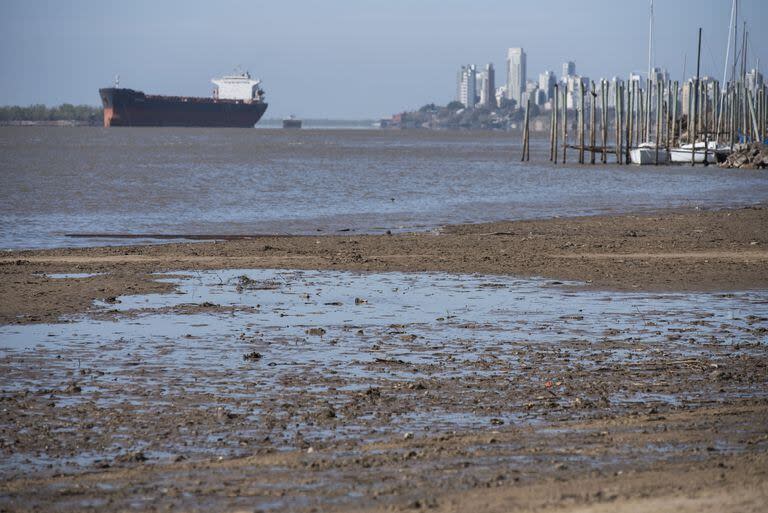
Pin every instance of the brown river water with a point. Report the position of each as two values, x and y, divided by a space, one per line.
57 181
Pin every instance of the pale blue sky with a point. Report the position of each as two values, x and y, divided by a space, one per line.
342 58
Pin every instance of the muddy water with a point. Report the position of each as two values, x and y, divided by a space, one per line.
56 181
239 360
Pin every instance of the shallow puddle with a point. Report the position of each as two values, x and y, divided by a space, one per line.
298 358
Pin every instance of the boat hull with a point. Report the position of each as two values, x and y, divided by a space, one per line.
683 156
126 107
647 156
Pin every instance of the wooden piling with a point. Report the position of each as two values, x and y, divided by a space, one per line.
631 114
641 115
674 114
554 109
648 96
525 130
732 127
658 119
753 116
593 97
622 115
581 120
617 124
667 108
627 110
604 121
565 120
551 135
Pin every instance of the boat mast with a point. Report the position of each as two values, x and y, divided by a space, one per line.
650 41
692 122
725 72
728 47
650 67
735 37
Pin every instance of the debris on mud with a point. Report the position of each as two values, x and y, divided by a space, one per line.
245 283
252 356
752 156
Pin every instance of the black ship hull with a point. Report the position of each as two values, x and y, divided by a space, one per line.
126 107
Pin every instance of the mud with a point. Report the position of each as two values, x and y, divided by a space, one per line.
674 251
388 391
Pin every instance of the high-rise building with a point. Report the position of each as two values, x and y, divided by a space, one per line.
613 85
547 81
569 69
531 91
754 80
488 87
501 95
466 86
659 74
516 74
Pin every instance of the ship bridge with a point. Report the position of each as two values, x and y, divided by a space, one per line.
237 87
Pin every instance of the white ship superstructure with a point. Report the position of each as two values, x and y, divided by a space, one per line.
237 87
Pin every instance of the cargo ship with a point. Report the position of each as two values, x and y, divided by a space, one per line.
237 101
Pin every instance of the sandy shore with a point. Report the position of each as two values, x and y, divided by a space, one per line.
676 251
648 410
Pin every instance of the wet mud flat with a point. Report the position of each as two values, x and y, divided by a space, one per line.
274 390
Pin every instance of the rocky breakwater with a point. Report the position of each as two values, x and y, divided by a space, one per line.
751 156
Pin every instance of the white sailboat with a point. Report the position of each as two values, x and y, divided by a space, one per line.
649 153
714 153
645 154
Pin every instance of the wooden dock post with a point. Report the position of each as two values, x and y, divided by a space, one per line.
525 130
632 91
555 107
648 96
658 118
565 119
640 114
593 97
551 135
753 116
581 120
763 116
617 123
732 128
667 107
627 115
604 121
674 114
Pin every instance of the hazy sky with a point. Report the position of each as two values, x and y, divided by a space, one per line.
343 58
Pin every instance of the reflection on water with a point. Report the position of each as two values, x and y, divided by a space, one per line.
215 181
328 339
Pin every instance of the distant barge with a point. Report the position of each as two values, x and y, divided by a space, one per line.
237 101
291 122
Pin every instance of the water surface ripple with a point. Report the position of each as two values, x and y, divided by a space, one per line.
215 181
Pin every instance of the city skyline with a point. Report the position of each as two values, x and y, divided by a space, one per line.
340 59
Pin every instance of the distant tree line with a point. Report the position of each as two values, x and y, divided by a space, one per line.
63 112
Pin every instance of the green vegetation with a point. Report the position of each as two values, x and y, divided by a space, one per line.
454 116
64 112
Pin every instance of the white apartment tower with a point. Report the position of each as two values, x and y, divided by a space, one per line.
547 83
516 74
466 87
488 87
569 69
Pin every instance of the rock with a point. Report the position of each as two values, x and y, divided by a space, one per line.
131 457
752 156
252 356
73 388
